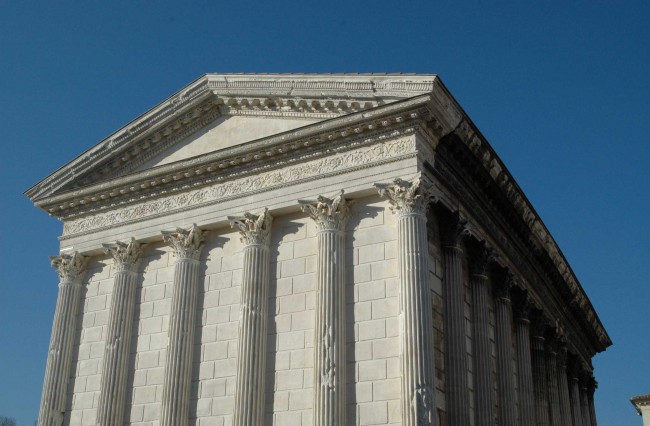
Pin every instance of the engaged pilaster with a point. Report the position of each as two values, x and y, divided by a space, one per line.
452 230
563 384
540 387
70 268
249 390
112 396
331 216
409 202
524 362
187 245
505 370
483 383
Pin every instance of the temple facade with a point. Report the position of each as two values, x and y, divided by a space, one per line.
309 250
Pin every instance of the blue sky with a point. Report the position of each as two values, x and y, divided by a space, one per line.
560 90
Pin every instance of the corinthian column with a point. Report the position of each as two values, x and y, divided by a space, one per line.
590 399
249 390
452 231
118 338
409 202
505 371
563 384
574 386
551 374
584 398
483 383
187 245
70 269
524 362
329 341
539 371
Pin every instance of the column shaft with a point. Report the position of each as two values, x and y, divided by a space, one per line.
57 370
540 387
178 366
524 373
576 410
417 361
483 382
112 395
563 386
331 217
584 405
553 390
251 363
505 368
454 327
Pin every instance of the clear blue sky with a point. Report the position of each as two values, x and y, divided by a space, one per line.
560 89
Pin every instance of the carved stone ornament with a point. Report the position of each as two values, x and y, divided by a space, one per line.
69 266
253 229
125 255
480 258
503 287
329 214
523 306
405 197
187 244
453 229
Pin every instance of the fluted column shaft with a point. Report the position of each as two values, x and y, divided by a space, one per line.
483 383
540 387
251 363
409 201
584 403
563 387
331 217
456 382
505 369
524 363
553 390
178 366
112 395
57 369
576 409
590 398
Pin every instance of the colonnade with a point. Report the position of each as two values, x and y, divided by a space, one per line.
537 381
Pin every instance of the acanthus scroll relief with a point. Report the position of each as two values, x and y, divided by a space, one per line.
392 149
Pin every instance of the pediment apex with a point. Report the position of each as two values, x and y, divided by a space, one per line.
315 96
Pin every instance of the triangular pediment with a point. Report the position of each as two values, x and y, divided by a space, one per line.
220 111
225 132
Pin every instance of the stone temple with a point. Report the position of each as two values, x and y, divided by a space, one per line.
324 250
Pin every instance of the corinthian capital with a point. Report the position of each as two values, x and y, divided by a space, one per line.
253 229
69 266
187 244
405 197
329 214
126 255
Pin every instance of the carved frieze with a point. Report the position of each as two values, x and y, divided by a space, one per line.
389 150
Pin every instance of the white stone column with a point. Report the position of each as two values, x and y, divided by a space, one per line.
563 384
524 362
70 268
251 363
483 379
503 337
409 201
452 231
187 245
115 369
331 216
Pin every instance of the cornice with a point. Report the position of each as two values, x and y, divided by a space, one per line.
314 96
539 239
187 172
